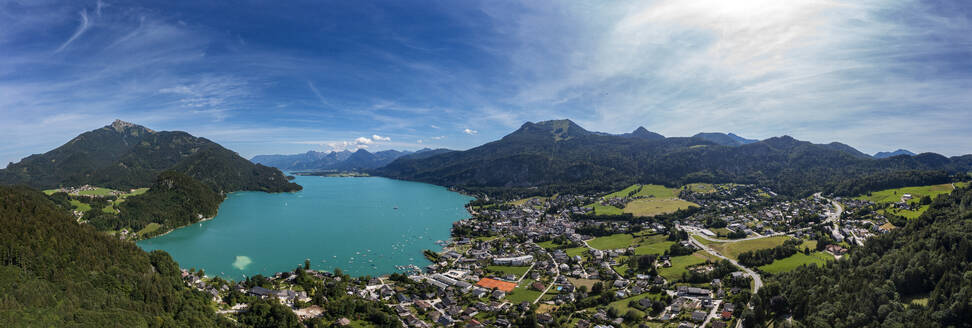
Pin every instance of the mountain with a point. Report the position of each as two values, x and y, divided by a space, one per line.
846 149
898 152
724 139
643 133
339 161
552 155
123 155
57 273
555 130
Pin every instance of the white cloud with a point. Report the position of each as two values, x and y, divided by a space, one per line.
438 137
470 131
363 141
380 138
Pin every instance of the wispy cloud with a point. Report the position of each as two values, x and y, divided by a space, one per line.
470 131
318 94
81 28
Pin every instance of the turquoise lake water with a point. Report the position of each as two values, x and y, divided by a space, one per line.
348 223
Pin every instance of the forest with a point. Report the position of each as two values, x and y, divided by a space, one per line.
57 273
173 201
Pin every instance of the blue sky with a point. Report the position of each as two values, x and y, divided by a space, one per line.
265 77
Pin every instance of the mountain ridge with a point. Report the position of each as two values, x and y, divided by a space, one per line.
559 154
125 155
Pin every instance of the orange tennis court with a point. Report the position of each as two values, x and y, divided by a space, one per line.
501 285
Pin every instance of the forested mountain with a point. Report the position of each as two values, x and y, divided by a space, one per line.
886 154
57 273
124 155
560 155
339 161
916 276
643 133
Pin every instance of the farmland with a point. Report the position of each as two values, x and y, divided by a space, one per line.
656 206
648 190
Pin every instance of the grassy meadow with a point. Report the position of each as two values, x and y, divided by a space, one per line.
797 260
656 206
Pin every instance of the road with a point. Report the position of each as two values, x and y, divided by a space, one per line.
703 236
552 282
757 280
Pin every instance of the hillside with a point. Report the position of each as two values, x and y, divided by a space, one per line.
125 155
57 273
916 276
561 155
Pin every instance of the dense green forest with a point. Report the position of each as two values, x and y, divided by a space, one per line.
915 276
173 201
124 156
57 273
559 156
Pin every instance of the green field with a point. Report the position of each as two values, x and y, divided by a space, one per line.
732 250
656 206
909 214
517 271
523 293
548 244
577 282
623 307
78 205
150 228
648 190
621 269
894 195
680 264
615 241
654 244
576 251
604 209
795 261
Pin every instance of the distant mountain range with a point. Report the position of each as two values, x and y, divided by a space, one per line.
885 154
123 155
340 160
724 139
562 155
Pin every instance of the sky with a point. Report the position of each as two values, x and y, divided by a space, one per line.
280 77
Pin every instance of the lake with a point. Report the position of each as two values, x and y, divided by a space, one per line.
365 226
